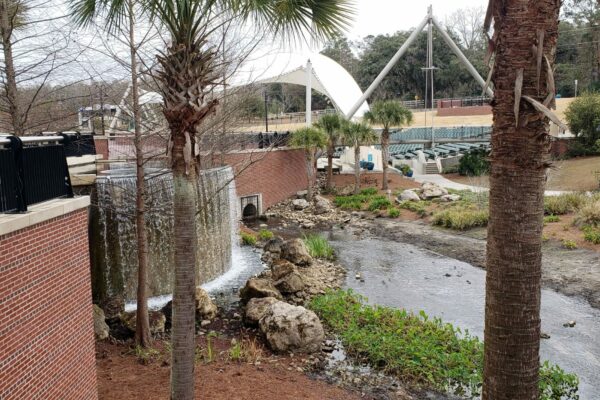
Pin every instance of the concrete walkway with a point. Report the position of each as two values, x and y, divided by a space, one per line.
448 184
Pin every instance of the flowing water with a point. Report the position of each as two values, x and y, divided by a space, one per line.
112 239
404 276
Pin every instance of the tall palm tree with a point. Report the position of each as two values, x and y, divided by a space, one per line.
357 134
311 140
390 113
188 74
118 12
525 36
331 125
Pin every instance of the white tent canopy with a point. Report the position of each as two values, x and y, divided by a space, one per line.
328 78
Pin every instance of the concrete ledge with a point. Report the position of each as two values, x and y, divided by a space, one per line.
41 212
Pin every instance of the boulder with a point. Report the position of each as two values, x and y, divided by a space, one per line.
300 204
450 198
409 195
259 287
346 190
432 190
205 307
273 245
157 321
290 283
292 328
281 268
257 308
101 329
322 205
113 306
296 252
302 194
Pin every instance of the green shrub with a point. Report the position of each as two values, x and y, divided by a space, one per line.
415 206
319 247
450 170
589 214
425 351
354 202
474 163
461 218
563 204
551 218
393 212
591 234
379 203
369 191
248 239
569 244
265 234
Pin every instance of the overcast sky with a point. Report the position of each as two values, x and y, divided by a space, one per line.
387 16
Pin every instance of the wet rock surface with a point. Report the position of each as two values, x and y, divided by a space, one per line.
295 251
101 328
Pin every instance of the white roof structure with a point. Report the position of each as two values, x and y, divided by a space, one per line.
328 78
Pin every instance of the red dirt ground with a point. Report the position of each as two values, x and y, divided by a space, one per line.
121 376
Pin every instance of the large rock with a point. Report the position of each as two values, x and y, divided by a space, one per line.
292 328
101 329
257 308
157 321
346 190
300 204
281 268
290 283
113 306
409 195
450 198
296 252
259 287
432 190
273 245
322 205
205 307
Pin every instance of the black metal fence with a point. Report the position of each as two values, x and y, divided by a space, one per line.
34 169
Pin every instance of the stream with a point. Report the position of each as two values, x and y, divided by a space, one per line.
404 276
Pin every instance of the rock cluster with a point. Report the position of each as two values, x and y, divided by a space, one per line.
274 300
320 211
428 191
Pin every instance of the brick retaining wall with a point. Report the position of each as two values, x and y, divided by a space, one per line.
46 327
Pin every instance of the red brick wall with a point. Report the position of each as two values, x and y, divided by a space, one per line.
101 146
464 111
46 326
277 174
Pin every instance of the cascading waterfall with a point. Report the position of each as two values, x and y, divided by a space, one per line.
112 237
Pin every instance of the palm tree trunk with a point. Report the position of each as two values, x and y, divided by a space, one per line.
330 151
310 163
518 162
356 169
186 243
142 326
10 86
385 151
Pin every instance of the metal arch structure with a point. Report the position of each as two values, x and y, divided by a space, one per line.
429 21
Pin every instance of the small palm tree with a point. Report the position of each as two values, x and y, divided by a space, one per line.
311 140
390 114
357 134
331 125
188 74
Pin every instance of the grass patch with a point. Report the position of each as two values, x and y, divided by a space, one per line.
551 219
461 218
569 244
589 214
418 207
393 212
265 234
564 204
319 247
591 234
369 191
354 202
379 203
248 239
425 351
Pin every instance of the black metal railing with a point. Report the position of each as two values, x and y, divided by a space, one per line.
273 139
34 169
